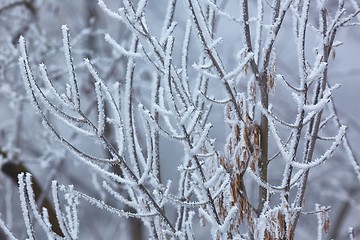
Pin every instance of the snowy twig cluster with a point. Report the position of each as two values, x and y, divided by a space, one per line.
250 185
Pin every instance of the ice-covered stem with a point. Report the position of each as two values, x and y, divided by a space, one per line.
170 11
204 36
348 149
323 220
128 111
203 178
4 230
301 33
75 96
328 36
246 31
155 132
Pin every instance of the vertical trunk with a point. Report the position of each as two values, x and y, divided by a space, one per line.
264 141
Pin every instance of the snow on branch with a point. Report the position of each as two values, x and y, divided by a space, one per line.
101 113
112 14
228 155
326 155
75 96
25 207
6 230
119 48
102 205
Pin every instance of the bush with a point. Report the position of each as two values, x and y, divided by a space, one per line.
191 121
